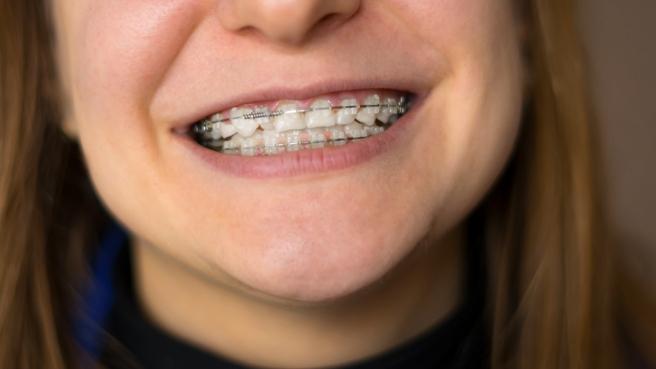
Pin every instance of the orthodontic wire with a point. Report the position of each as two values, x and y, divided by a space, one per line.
206 125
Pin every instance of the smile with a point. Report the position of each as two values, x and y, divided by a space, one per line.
287 126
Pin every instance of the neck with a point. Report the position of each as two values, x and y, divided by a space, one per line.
419 293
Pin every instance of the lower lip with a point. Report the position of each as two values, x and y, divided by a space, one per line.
305 161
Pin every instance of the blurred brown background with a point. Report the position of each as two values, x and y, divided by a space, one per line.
620 38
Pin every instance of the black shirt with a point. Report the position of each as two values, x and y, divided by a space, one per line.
458 342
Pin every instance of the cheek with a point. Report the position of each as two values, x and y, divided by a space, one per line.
117 52
474 115
120 52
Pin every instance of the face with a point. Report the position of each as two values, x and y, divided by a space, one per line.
307 225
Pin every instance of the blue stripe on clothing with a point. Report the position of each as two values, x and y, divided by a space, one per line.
98 292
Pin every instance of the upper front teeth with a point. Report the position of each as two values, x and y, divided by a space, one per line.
262 117
289 116
346 114
320 115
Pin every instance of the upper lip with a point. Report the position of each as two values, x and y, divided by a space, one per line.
276 93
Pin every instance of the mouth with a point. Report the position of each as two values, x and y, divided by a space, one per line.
305 137
278 127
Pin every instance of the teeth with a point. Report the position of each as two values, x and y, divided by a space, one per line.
317 136
366 118
289 119
215 131
227 130
371 104
263 118
258 130
219 129
272 150
272 142
251 142
271 138
388 108
347 115
245 127
216 118
293 138
337 134
233 144
367 114
321 114
355 130
383 117
374 130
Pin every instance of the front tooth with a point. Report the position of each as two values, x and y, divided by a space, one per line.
263 118
289 119
248 143
346 115
355 130
317 135
367 114
293 139
245 127
337 134
271 138
321 114
252 141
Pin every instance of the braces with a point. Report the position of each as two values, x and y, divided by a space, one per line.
206 125
276 148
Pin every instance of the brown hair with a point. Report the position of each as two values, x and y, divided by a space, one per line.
552 299
48 212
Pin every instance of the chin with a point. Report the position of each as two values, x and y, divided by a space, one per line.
315 264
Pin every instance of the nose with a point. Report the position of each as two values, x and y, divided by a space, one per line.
286 21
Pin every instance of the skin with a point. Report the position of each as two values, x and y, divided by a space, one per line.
312 270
